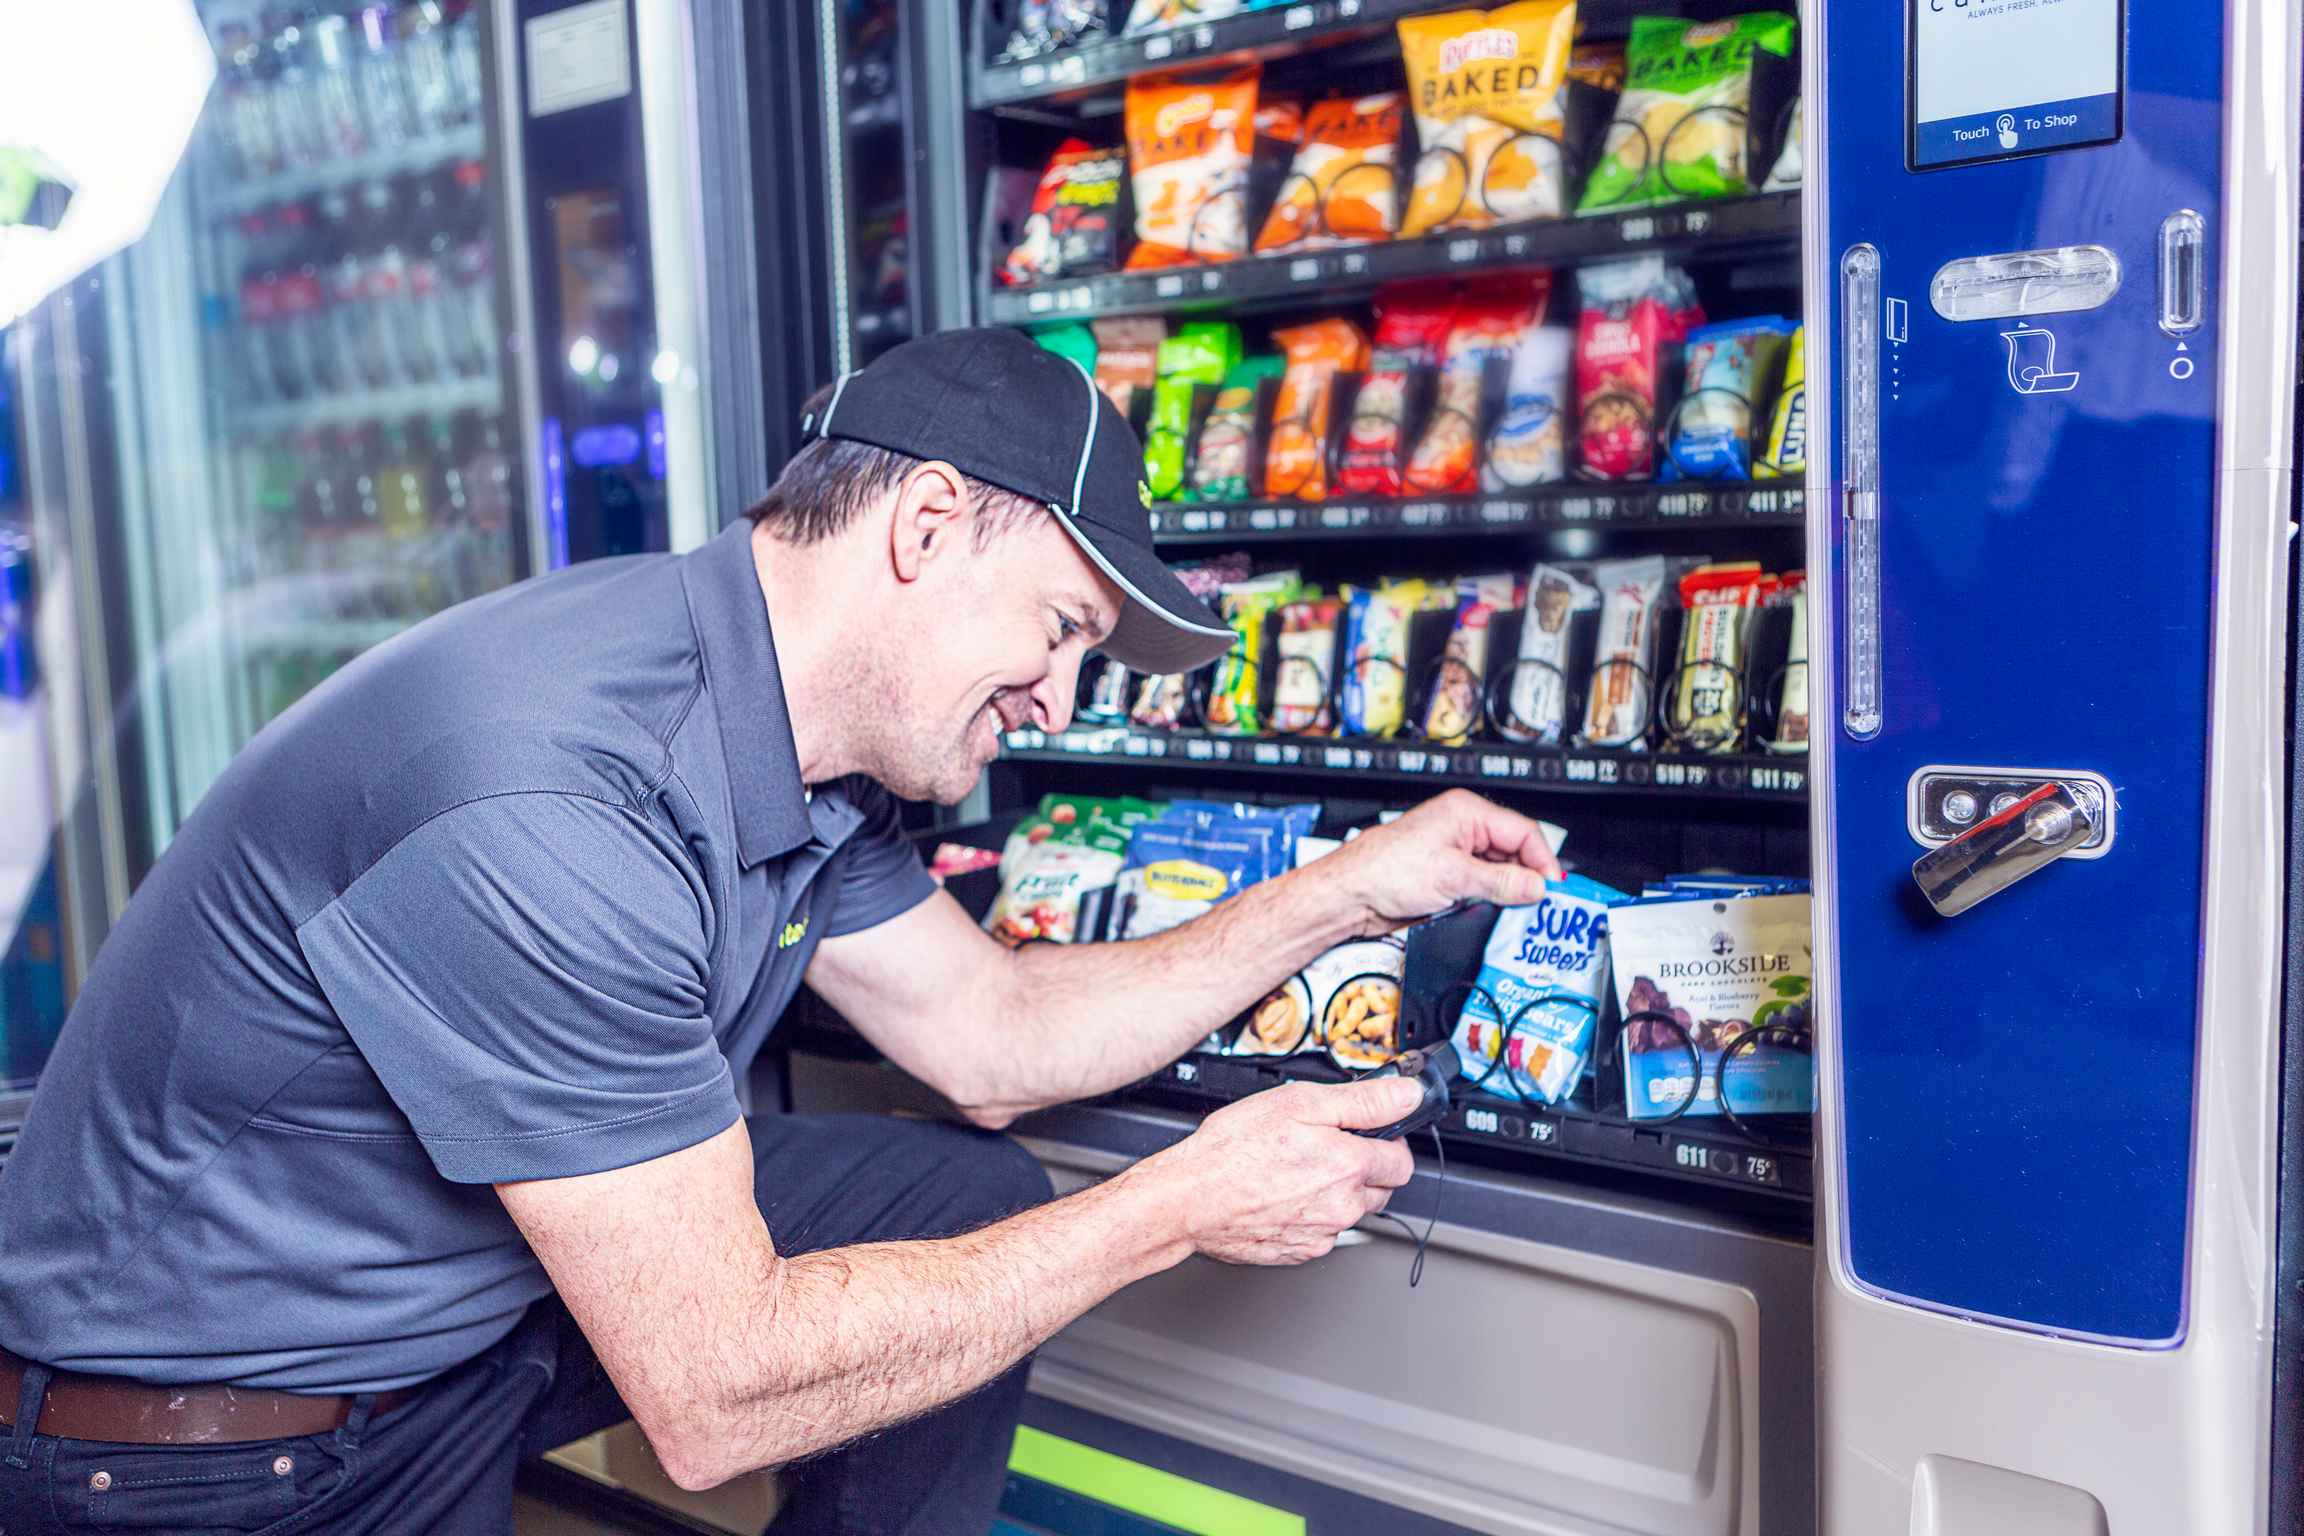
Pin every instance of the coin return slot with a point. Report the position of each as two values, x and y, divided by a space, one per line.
1942 803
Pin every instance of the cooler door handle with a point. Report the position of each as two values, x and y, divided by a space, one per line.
2024 838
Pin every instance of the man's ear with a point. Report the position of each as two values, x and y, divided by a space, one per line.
931 515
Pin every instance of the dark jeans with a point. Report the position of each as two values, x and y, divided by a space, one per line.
443 1464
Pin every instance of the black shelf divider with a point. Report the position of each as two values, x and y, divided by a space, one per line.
1753 778
1695 505
1732 225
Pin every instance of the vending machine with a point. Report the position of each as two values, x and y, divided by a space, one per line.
2052 259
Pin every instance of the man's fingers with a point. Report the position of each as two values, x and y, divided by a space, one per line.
1374 1199
1390 1164
1510 836
1362 1105
1507 885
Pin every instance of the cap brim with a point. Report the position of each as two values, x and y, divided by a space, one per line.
1163 628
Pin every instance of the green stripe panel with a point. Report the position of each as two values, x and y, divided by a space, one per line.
1143 1490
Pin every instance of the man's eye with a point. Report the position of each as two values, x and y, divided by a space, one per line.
1065 628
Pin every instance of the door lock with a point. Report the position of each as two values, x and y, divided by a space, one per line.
2013 836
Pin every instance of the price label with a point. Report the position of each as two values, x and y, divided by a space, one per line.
1515 247
1578 509
1080 297
1195 522
1039 303
1545 1132
1462 251
1501 513
1135 746
1031 76
1347 9
1697 222
1335 517
1439 763
1069 71
1336 757
1355 264
1298 17
1424 514
1263 519
1671 773
1582 770
1199 751
1169 287
1223 751
1266 754
1284 517
1160 523
1291 754
1212 281
1412 762
1632 230
1682 504
1363 759
1304 269
1158 48
1187 1072
1763 1170
1203 37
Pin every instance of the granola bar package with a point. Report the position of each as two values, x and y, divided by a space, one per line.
1456 706
1343 188
1693 975
1248 608
1527 1029
1412 325
1706 710
1375 683
1636 314
1485 87
1616 705
1680 130
1190 142
1492 323
1537 700
1792 699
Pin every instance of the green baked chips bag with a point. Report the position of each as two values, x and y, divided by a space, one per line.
1681 128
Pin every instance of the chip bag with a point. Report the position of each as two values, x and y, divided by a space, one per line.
1344 185
1485 86
1682 125
1189 147
1226 446
1296 454
1728 365
1073 228
1412 323
1636 314
1493 322
1128 356
1200 353
1787 452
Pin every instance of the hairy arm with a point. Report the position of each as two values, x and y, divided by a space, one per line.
1002 1032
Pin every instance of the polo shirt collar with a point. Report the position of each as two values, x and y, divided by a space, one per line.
739 650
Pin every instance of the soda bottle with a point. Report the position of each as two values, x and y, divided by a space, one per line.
430 254
386 360
402 494
295 93
251 135
344 283
469 95
259 309
330 43
471 322
488 489
432 87
300 320
384 103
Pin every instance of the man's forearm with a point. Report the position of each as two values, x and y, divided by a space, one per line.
1084 1019
852 1340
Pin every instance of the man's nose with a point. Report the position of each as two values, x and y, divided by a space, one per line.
1054 695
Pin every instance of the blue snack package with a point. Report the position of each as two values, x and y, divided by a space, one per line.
1546 970
1728 365
1694 974
1182 864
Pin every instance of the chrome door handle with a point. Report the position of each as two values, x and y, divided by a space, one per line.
2021 839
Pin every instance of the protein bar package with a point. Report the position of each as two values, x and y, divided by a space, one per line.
1538 696
1343 188
1546 972
1680 130
1246 606
1718 603
1792 701
1616 704
1729 366
1412 323
1485 87
1296 453
1302 691
1717 969
1190 142
1492 322
1456 705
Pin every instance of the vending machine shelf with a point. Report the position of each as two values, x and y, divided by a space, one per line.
1750 777
485 394
234 197
1265 34
1731 227
1713 506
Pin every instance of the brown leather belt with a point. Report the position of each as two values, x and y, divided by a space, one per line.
79 1407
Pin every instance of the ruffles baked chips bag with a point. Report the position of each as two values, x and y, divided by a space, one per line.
1190 143
1485 87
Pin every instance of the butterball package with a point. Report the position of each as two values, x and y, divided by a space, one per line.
1546 970
1717 970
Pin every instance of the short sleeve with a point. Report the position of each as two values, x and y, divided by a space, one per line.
526 975
880 874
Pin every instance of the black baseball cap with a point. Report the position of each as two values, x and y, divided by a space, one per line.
996 405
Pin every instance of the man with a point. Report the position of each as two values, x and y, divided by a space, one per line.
403 1098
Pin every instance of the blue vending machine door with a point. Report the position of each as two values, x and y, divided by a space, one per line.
2017 1081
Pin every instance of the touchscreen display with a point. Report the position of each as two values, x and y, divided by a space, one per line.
1995 78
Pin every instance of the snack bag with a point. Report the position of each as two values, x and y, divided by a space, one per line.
1412 323
1728 366
1785 177
1347 1001
1128 357
1246 607
1715 969
1301 692
1155 15
1280 119
1054 859
1043 26
1787 452
1344 185
1538 698
1680 128
1707 707
1616 706
1296 454
1545 970
1792 702
1160 702
1226 445
1495 318
1375 687
1457 704
1073 228
1073 340
1107 701
1201 352
1189 145
1486 90
1598 65
1196 854
1635 314
1530 443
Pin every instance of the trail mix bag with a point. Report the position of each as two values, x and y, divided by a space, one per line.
1074 845
1485 87
1636 314
1705 972
1682 125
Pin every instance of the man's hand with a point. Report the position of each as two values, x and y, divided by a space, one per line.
1458 847
1273 1178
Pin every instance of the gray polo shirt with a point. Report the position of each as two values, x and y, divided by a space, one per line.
516 895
